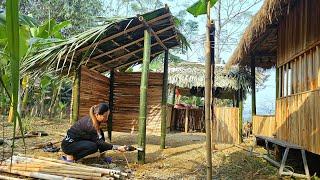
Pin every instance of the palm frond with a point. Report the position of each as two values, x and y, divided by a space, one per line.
59 53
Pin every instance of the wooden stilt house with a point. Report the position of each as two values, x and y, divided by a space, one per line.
285 34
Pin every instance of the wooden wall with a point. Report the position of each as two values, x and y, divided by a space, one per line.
127 98
298 120
264 125
94 89
225 128
299 30
297 117
193 116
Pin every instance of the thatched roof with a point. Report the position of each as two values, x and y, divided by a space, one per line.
189 77
115 45
190 74
260 38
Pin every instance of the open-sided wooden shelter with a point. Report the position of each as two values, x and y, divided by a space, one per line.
285 34
111 48
188 78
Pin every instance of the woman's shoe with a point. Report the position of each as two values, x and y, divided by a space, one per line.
64 158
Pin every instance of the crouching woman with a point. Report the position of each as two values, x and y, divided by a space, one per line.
86 137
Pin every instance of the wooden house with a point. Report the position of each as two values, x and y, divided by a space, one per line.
285 34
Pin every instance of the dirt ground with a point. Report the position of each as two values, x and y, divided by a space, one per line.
184 157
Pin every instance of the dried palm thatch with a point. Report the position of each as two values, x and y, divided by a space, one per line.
190 74
260 37
115 45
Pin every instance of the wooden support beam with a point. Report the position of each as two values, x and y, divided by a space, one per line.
129 54
135 61
277 83
111 103
153 33
136 42
240 115
143 97
253 85
164 101
75 101
186 121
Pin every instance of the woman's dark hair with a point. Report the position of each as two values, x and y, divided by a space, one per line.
98 109
101 108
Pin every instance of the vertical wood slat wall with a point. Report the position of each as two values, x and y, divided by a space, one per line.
225 128
195 120
126 102
297 114
264 125
94 89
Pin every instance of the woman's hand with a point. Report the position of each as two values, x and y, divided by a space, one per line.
122 148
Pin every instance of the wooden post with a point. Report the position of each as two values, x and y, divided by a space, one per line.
277 83
174 96
164 101
212 49
240 114
186 121
253 85
75 95
208 95
143 97
111 104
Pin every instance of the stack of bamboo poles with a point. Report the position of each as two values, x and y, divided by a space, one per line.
51 169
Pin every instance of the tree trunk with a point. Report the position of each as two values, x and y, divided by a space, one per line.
208 95
75 96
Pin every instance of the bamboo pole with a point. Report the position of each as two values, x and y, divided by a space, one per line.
208 95
75 96
34 174
111 101
143 97
68 165
164 101
57 171
8 178
253 86
240 114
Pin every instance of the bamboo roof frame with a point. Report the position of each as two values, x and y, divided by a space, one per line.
117 45
260 38
130 52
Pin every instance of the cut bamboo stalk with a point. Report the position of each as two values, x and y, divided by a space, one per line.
78 166
8 178
35 174
55 170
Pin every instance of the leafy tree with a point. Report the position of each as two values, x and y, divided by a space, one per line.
81 13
